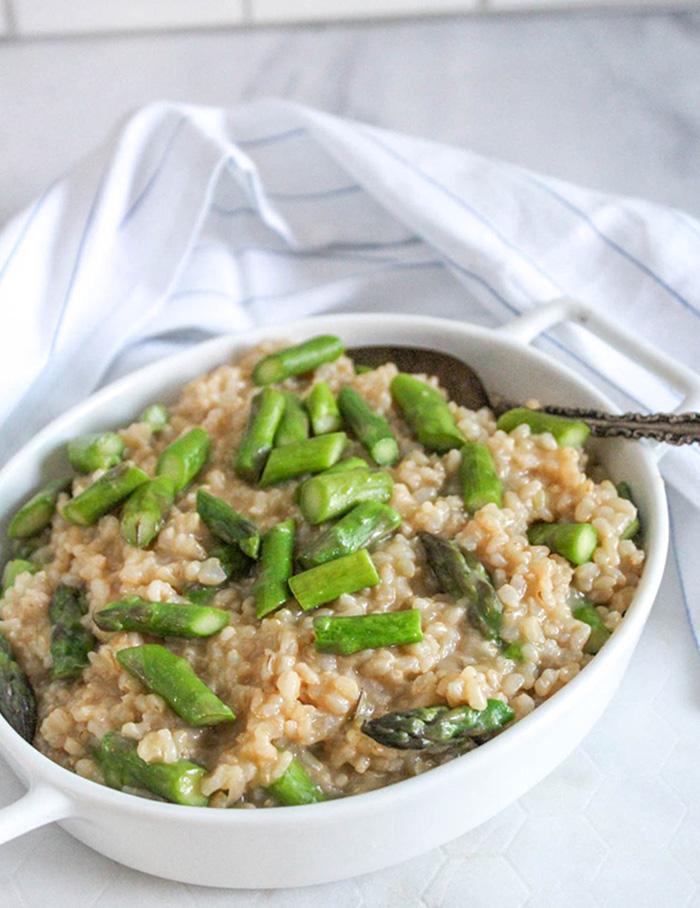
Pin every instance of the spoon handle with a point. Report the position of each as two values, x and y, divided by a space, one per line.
671 428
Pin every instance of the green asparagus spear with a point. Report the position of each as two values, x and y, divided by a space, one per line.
310 456
104 494
265 414
98 451
332 494
369 427
514 651
70 641
323 409
184 458
17 698
198 593
567 432
156 417
574 541
427 413
227 524
36 514
347 635
634 526
328 581
367 523
362 370
478 477
465 577
234 563
14 568
297 360
294 425
347 463
583 610
294 787
161 619
271 589
145 511
438 727
122 767
174 679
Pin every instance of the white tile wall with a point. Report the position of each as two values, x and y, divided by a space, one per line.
38 17
300 10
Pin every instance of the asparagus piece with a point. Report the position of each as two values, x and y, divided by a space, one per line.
362 370
234 563
465 577
145 511
347 463
174 679
574 541
227 524
328 581
161 619
323 409
427 413
104 494
297 360
438 727
332 494
184 458
17 698
271 589
367 523
294 425
634 527
198 594
294 787
98 451
122 767
36 514
585 611
478 477
352 634
513 651
70 641
265 414
310 456
369 427
14 568
156 417
567 432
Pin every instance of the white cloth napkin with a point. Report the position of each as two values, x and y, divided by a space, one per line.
192 221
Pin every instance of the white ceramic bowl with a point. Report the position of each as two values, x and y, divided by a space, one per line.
314 844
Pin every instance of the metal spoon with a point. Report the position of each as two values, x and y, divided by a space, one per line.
465 387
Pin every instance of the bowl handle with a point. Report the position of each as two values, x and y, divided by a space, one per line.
39 806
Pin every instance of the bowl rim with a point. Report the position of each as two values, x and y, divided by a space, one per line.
40 771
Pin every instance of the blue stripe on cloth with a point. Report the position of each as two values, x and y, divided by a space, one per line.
25 228
272 139
293 253
318 195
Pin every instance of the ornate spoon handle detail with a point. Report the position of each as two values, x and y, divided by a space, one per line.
671 428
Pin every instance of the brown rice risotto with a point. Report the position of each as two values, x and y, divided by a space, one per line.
291 700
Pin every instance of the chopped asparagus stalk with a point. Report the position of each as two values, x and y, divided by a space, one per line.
294 787
184 458
294 425
323 409
227 524
265 414
465 577
514 651
574 541
198 594
348 463
567 432
122 767
234 563
633 528
367 523
297 360
369 427
162 619
17 698
271 589
70 641
156 417
326 582
438 727
347 635
587 613
36 514
427 413
99 451
310 456
14 568
145 511
478 477
174 679
362 370
332 494
104 494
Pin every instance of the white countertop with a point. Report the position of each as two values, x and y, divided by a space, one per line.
607 101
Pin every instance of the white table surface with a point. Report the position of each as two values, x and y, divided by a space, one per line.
608 101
